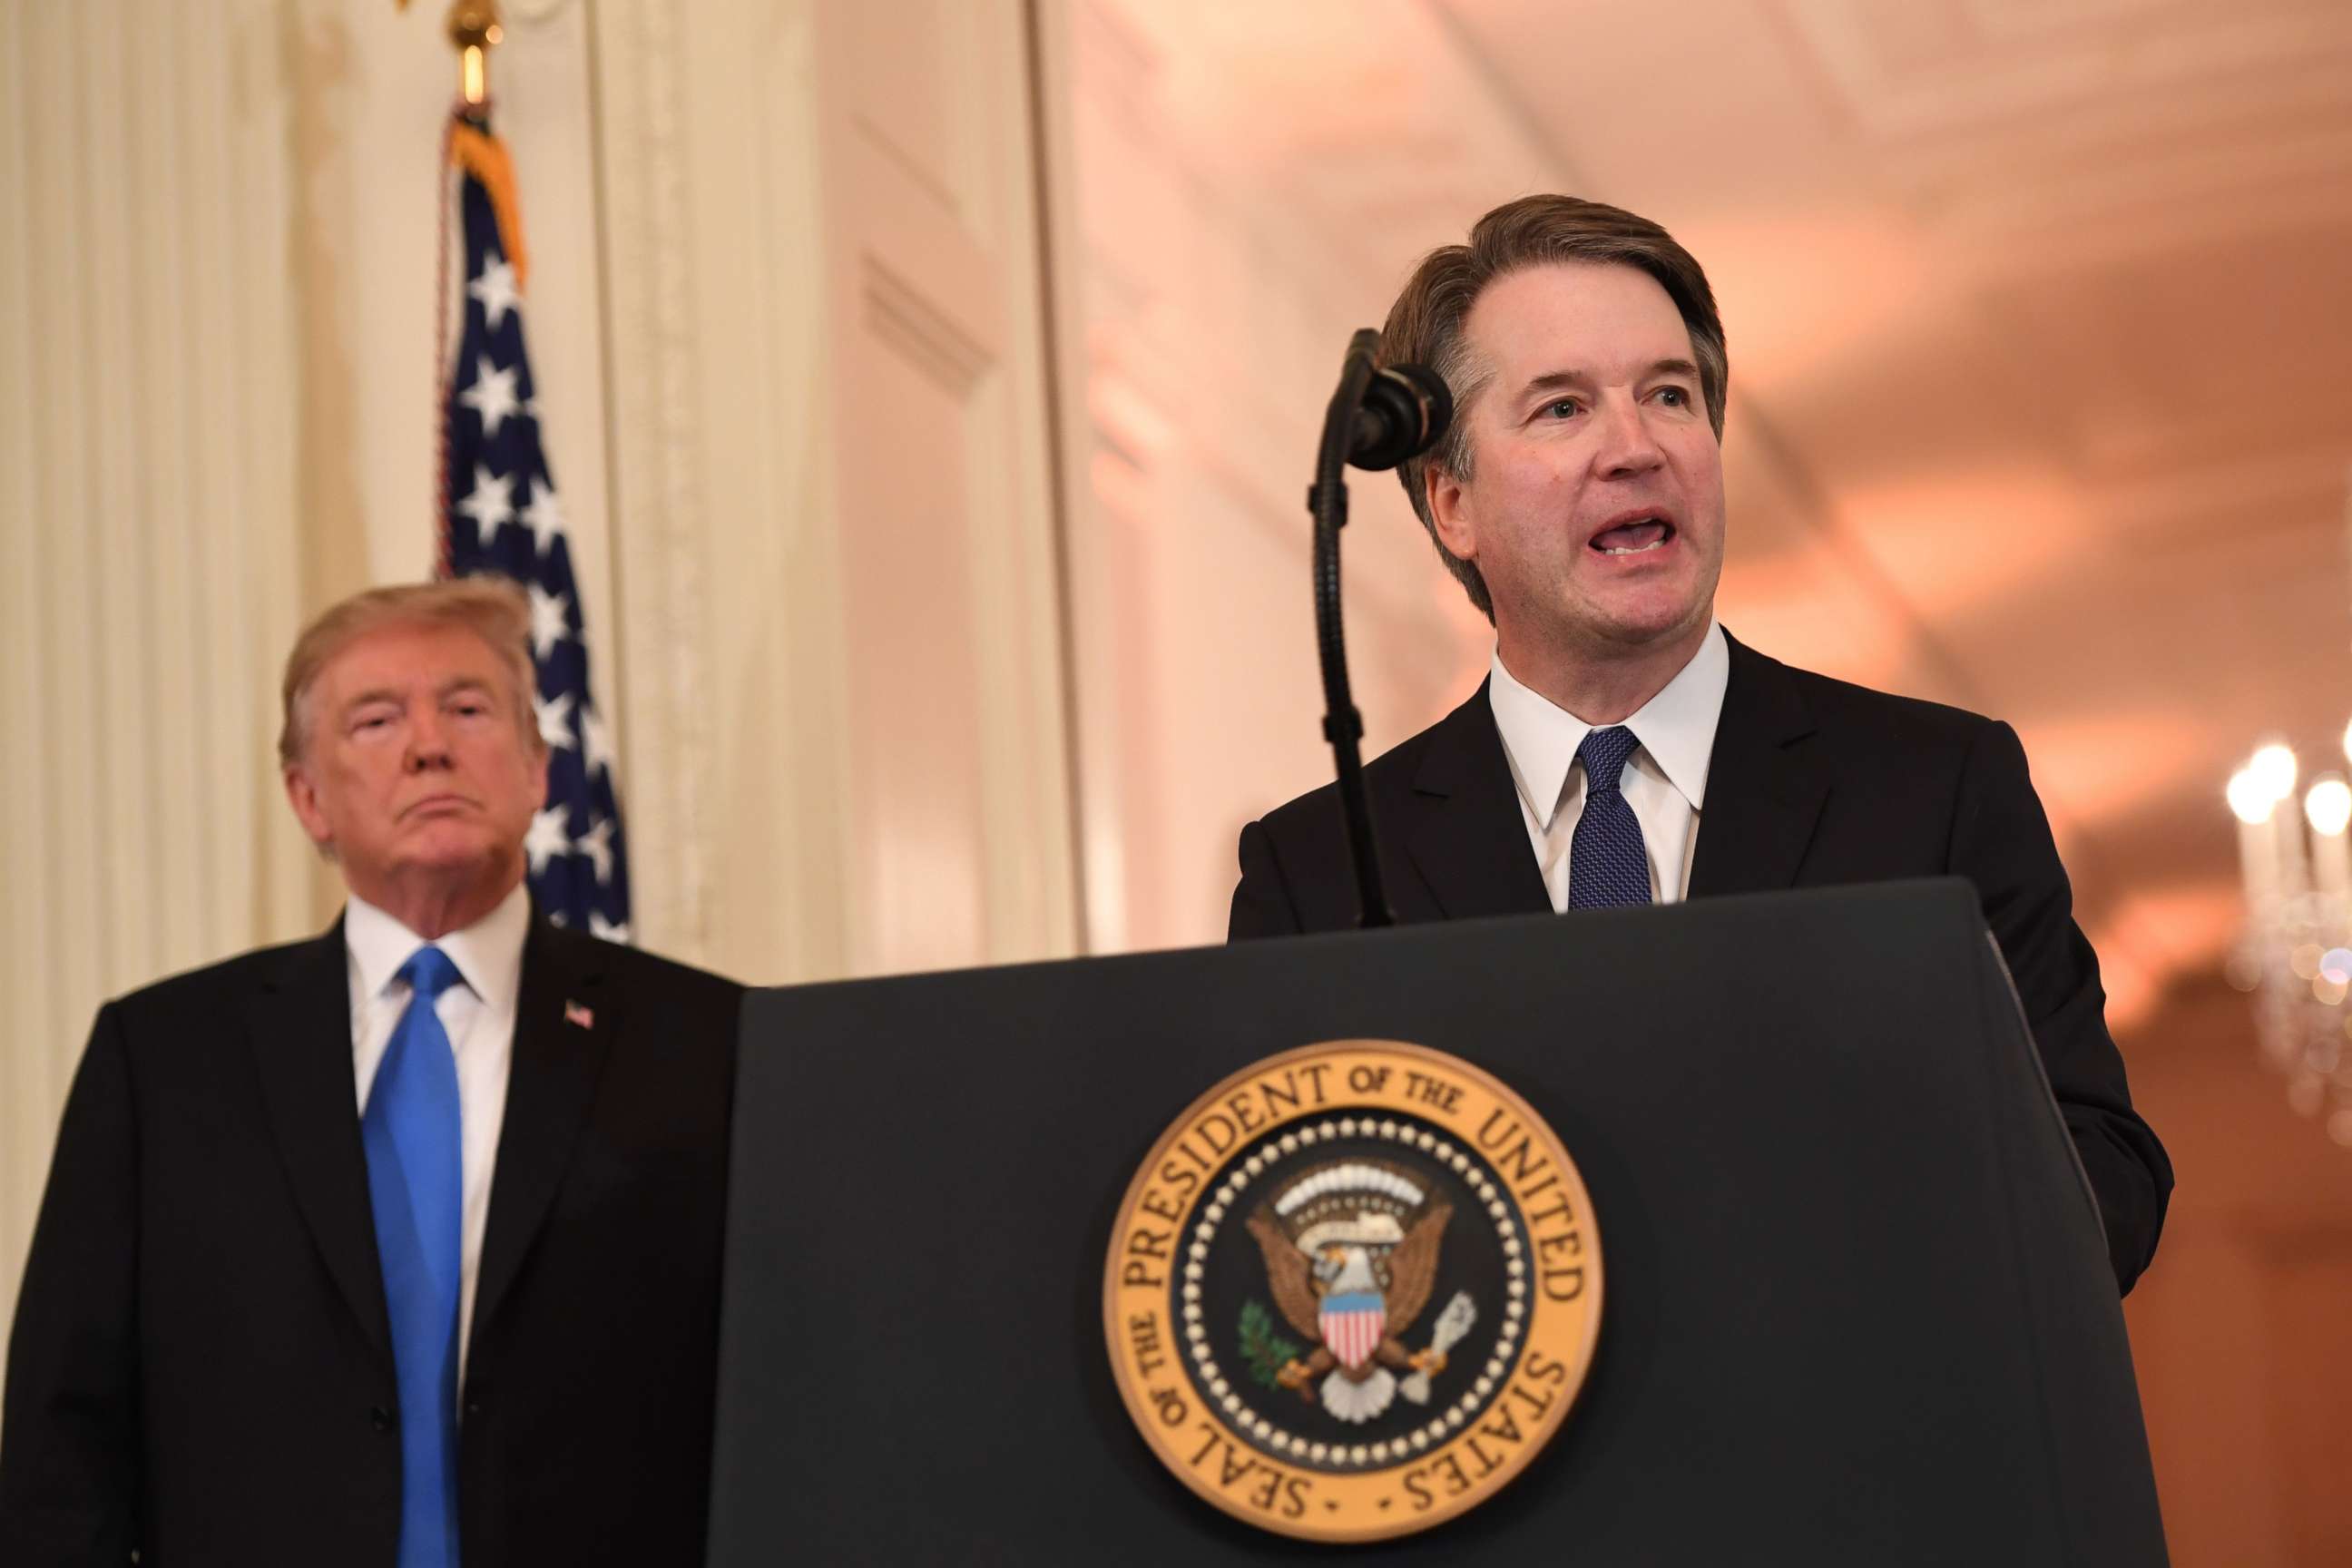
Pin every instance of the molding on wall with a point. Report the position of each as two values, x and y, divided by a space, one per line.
899 313
653 375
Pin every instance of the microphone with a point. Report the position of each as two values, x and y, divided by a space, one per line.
1405 411
1377 418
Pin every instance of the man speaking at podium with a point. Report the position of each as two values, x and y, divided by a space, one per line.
1624 749
400 1245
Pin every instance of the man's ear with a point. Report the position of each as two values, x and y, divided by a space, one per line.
302 794
1450 512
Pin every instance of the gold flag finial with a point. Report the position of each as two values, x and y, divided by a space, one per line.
474 28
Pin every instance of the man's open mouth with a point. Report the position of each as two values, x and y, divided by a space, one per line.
1634 537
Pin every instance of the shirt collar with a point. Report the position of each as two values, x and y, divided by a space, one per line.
488 954
1676 727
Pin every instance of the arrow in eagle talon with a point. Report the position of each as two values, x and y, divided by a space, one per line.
1452 1324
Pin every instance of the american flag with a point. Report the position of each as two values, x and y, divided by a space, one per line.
501 514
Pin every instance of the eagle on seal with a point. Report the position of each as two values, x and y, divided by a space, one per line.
1351 1255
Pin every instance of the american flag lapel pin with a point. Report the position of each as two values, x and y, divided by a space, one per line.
574 1013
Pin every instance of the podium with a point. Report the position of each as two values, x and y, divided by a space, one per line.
1858 1305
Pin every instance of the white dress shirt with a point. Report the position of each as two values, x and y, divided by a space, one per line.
1665 780
479 1016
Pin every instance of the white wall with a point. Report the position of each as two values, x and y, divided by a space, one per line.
840 639
1212 329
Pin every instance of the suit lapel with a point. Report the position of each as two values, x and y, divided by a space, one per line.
1763 797
1468 839
565 1018
301 1031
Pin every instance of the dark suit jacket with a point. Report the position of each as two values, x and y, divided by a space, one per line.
200 1367
1813 783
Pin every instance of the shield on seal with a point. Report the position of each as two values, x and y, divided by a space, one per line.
1352 1325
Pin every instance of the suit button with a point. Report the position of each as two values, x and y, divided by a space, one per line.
473 1407
380 1418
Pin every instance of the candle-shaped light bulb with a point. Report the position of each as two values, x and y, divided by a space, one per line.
2249 799
2328 805
2274 769
2258 857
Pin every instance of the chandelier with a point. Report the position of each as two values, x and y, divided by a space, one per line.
2296 955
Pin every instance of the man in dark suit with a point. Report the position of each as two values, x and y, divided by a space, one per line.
1624 747
401 1244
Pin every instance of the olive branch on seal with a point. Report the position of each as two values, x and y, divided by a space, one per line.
1266 1351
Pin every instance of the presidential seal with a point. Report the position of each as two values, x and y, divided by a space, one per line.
1353 1290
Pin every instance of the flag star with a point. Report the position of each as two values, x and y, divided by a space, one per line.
595 739
548 838
492 504
497 291
611 930
597 845
492 395
550 619
544 514
555 720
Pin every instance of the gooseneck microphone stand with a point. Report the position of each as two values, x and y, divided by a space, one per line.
1342 725
1380 417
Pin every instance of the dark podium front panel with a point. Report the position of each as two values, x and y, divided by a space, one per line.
1858 1307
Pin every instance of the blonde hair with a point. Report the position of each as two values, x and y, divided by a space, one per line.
492 608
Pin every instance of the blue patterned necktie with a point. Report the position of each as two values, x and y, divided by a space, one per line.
414 1180
1607 867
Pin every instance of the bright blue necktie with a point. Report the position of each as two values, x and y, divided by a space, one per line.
415 1179
1607 867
